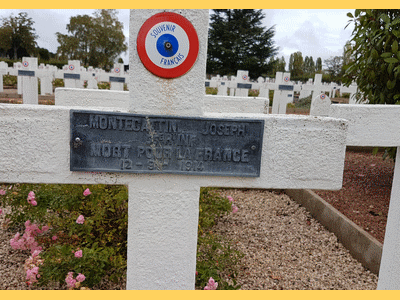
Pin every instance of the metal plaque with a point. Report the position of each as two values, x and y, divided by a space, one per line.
222 83
284 87
122 142
207 83
72 76
26 73
117 79
244 85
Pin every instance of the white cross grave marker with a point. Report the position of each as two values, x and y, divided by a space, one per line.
38 146
283 94
3 71
71 74
379 126
28 74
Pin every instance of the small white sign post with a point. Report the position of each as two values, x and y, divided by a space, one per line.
163 208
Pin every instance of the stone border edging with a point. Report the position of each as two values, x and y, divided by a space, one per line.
362 246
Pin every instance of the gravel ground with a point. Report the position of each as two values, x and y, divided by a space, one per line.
284 249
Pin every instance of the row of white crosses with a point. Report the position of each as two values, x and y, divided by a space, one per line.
163 208
73 75
241 84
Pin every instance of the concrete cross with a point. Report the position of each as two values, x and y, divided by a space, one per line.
379 126
163 208
3 71
283 94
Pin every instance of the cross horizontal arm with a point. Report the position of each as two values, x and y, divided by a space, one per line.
370 125
297 151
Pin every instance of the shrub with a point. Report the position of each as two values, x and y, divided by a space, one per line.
77 234
215 256
211 91
10 80
102 237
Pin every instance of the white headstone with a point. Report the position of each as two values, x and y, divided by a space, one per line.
163 207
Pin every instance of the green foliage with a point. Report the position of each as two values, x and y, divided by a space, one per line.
278 65
335 68
102 237
318 65
375 55
309 66
304 102
94 40
254 93
238 41
58 82
215 256
211 91
104 85
17 36
296 68
10 80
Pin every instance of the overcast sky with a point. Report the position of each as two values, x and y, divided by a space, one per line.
314 32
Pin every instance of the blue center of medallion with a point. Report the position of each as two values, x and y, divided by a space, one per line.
167 45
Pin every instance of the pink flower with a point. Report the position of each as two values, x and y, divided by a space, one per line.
234 208
54 237
80 277
2 192
80 219
33 202
1 211
70 280
87 192
211 285
45 228
31 196
78 254
230 199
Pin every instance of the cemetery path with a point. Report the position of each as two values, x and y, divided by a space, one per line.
285 248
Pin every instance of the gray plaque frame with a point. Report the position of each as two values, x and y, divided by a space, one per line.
117 79
104 142
26 73
72 76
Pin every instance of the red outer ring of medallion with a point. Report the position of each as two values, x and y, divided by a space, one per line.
193 45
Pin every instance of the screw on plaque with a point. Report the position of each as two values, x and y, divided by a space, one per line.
168 46
253 147
77 142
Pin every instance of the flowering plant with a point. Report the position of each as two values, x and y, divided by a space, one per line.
66 230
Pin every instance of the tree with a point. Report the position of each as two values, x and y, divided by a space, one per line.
296 69
44 54
335 67
237 41
375 65
278 65
318 65
17 36
309 66
94 40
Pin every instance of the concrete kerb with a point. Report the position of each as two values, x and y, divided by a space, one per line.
361 245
